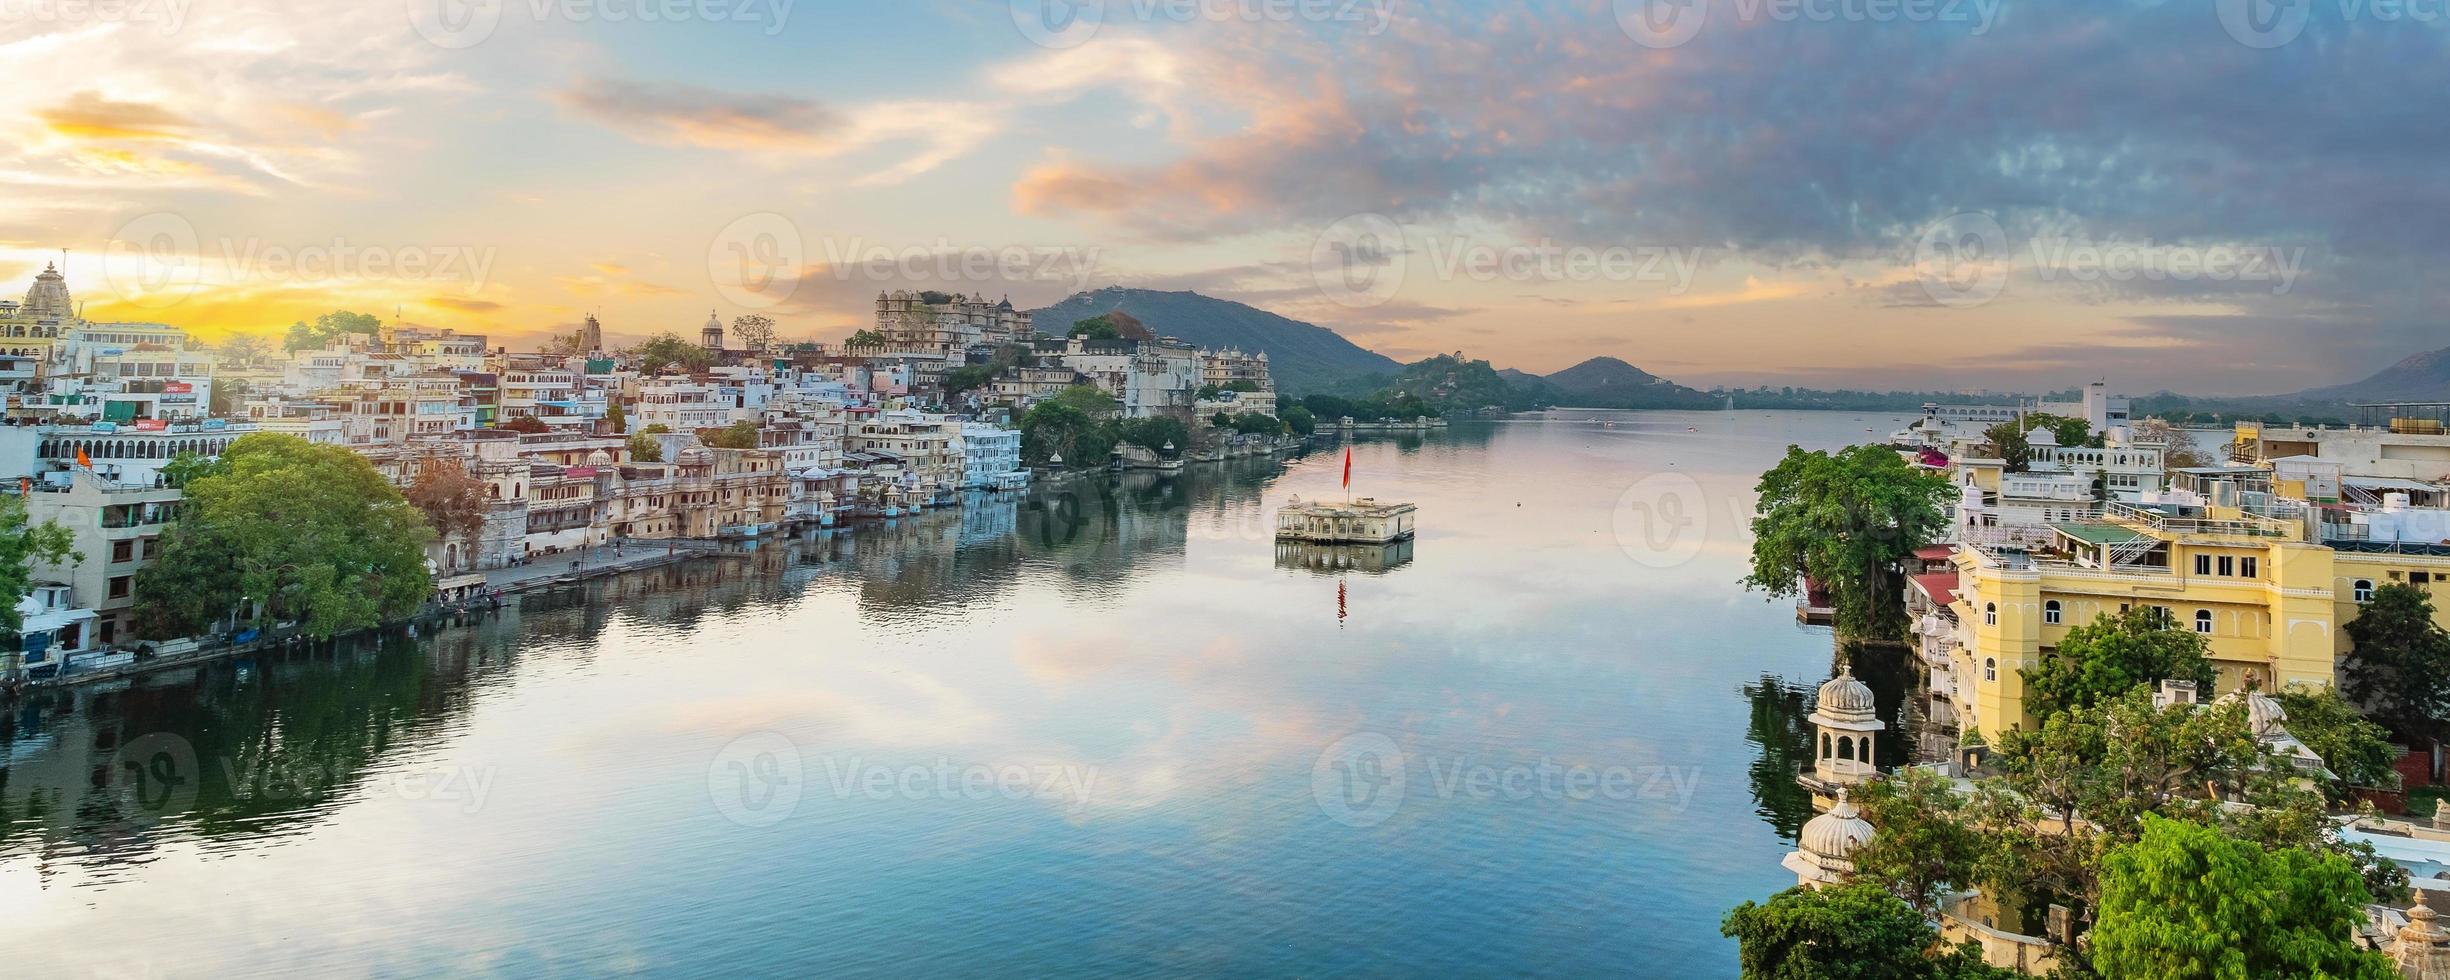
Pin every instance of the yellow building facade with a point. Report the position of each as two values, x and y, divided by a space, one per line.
2268 602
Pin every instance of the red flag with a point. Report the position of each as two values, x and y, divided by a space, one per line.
1348 467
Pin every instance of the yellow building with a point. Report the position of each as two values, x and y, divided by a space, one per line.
2268 601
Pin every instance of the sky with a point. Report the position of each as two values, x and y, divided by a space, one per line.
2208 196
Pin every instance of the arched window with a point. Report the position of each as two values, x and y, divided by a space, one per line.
1990 614
1824 745
2050 612
1846 748
2203 620
1990 668
2364 590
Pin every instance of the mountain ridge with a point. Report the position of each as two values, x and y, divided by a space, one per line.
1302 357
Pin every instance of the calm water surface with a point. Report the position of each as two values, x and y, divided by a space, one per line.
1106 729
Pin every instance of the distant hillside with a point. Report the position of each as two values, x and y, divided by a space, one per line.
1450 383
1303 357
2420 377
1605 382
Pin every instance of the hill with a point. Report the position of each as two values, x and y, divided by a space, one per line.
2419 377
1605 382
1302 357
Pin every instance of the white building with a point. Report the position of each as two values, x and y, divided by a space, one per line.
991 457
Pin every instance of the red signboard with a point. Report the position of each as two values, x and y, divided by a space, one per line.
152 425
177 388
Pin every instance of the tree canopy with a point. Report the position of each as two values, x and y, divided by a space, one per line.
2398 663
2114 654
2010 440
452 501
328 328
738 435
1857 931
2189 903
23 543
296 531
644 448
1846 520
668 350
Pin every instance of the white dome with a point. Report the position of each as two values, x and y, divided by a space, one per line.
697 456
1835 835
599 458
1844 695
2041 436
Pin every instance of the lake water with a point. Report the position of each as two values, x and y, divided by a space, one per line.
1105 729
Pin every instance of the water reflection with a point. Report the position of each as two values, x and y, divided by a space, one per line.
1368 559
1782 743
1140 627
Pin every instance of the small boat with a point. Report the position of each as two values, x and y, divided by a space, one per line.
1692 428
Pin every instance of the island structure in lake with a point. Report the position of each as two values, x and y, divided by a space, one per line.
1362 521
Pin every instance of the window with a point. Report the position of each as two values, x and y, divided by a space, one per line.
2203 621
2228 565
123 551
2203 564
121 586
1846 748
1990 668
1824 745
2246 567
2050 612
1990 614
2419 578
2364 590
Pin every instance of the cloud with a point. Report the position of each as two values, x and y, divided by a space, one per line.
693 116
87 115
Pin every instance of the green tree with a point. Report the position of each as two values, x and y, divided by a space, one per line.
305 532
2185 902
2398 663
1055 427
1103 326
656 429
738 435
1155 432
1090 399
524 423
1925 843
967 377
1299 420
2116 653
328 328
22 544
2357 751
2088 776
2010 440
645 449
186 466
1846 520
666 350
1846 933
615 418
865 338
